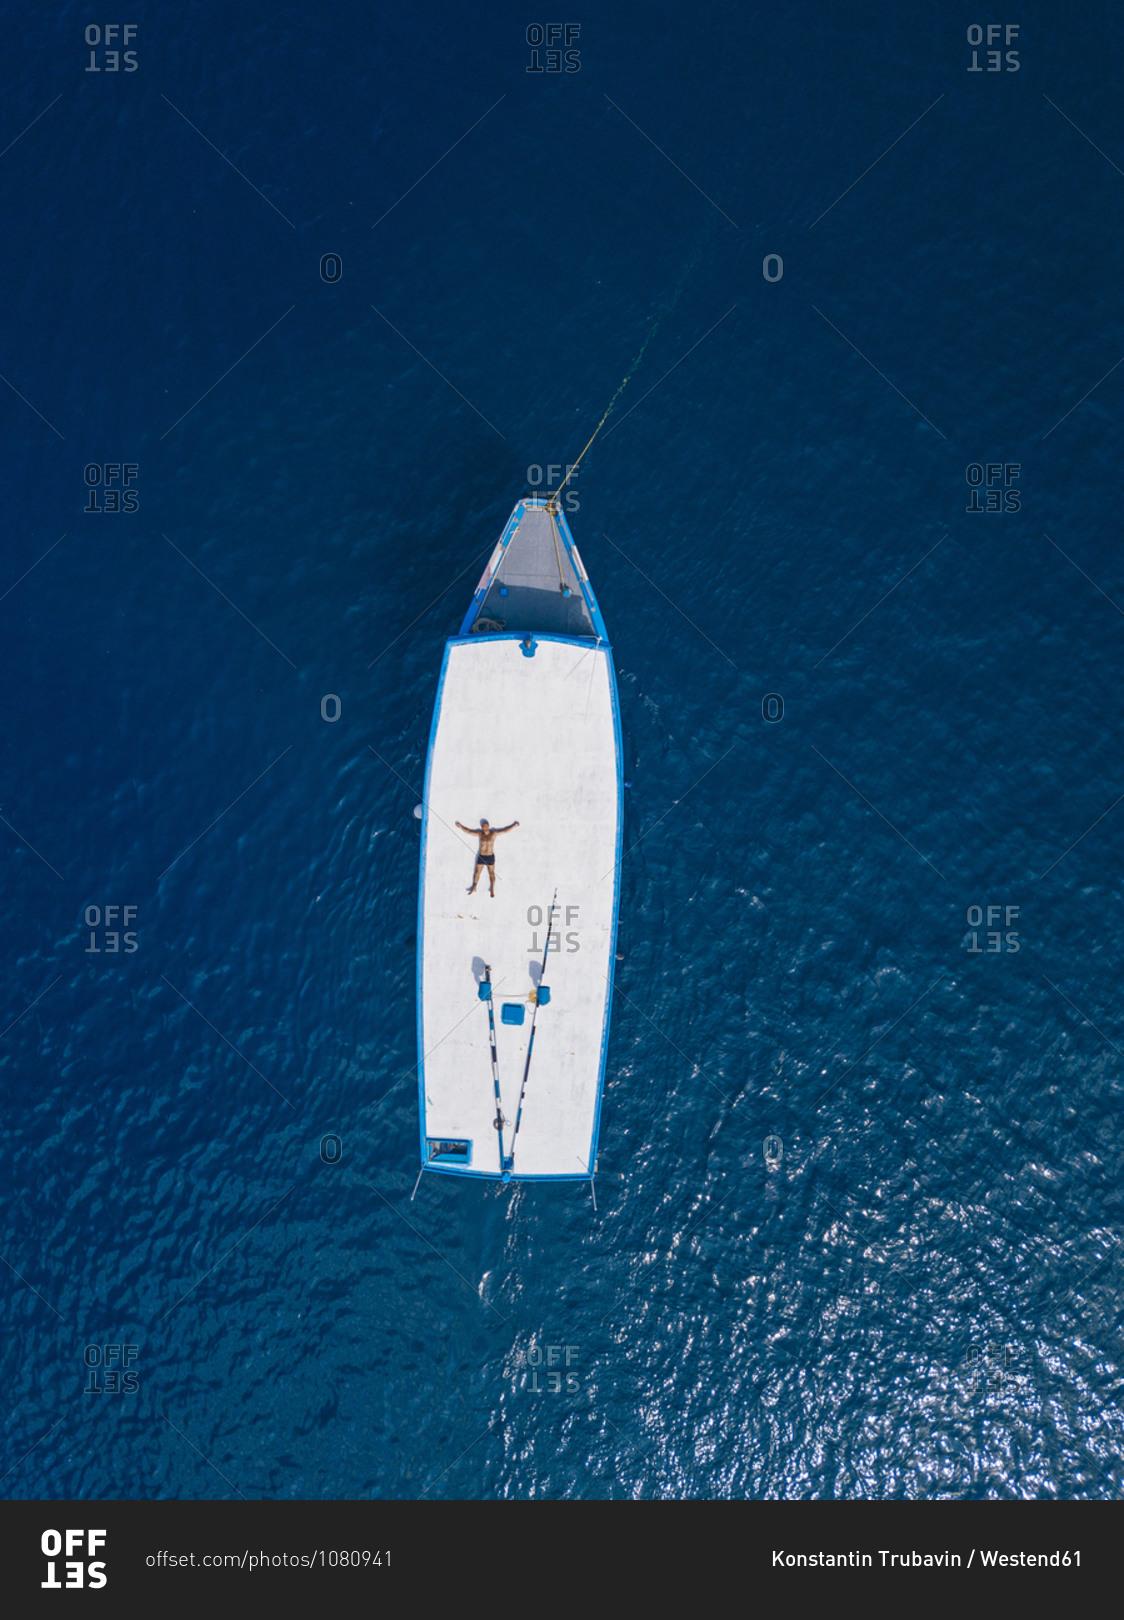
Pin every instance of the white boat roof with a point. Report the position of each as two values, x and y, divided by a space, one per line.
533 739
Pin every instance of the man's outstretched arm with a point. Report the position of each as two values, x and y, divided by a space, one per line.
510 825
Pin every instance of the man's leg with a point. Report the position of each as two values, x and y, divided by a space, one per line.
475 878
492 881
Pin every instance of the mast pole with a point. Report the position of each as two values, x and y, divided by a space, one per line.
509 1162
498 1122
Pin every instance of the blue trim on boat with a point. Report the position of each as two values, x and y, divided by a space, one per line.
587 589
616 913
489 572
435 1156
585 642
494 1175
421 903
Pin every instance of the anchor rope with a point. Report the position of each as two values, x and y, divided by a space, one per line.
627 378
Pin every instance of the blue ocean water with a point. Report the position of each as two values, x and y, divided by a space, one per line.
857 1205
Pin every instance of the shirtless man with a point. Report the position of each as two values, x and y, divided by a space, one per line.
486 853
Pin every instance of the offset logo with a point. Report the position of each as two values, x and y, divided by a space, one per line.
554 475
553 918
103 918
111 60
109 1369
999 476
108 486
561 54
997 940
78 1571
998 61
538 1358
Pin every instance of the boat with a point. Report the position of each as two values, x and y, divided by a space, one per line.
515 988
